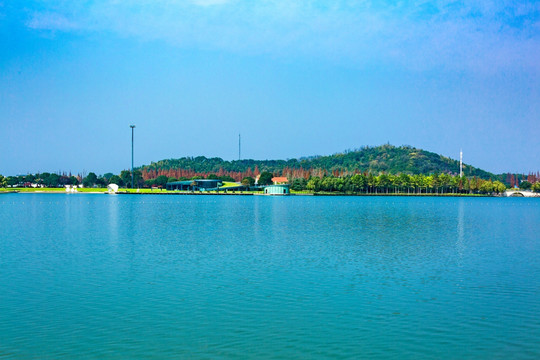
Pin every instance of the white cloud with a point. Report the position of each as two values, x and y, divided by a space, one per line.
471 34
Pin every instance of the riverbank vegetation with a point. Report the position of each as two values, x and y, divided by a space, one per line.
370 170
434 184
399 184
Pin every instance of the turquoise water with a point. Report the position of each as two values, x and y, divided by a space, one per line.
236 277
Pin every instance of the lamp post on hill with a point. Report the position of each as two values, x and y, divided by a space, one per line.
132 177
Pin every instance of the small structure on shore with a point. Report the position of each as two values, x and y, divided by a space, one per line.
112 188
520 193
280 187
71 188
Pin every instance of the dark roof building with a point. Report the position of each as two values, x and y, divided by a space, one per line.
194 185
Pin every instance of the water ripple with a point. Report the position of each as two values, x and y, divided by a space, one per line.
261 277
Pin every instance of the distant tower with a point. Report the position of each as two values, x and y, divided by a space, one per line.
239 147
461 163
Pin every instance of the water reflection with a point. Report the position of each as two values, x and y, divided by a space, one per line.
460 244
113 220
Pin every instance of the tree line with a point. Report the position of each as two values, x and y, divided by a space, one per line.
366 183
378 169
399 184
52 180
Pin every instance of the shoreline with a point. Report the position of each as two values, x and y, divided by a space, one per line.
223 193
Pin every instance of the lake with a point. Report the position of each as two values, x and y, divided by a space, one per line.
239 277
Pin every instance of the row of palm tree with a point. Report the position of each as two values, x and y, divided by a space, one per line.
402 183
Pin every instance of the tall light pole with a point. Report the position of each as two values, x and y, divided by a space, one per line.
132 177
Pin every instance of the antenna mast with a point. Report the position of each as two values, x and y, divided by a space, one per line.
461 163
239 147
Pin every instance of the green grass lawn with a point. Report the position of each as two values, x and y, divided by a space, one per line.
86 190
31 190
227 184
54 190
79 190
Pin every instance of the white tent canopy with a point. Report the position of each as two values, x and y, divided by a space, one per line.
112 188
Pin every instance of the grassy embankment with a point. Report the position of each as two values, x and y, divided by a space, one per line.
221 191
226 186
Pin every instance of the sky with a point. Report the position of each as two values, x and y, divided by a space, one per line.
294 78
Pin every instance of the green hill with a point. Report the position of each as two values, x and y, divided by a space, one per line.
393 160
380 159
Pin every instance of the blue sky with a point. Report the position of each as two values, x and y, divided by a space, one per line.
295 78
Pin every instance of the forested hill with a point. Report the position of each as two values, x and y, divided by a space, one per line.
381 159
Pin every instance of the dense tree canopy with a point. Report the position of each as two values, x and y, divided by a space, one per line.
265 178
525 185
402 183
387 158
115 179
90 180
248 181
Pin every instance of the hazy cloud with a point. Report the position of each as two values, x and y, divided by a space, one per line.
50 21
209 2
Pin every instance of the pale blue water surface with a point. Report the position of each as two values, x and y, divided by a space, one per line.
237 277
